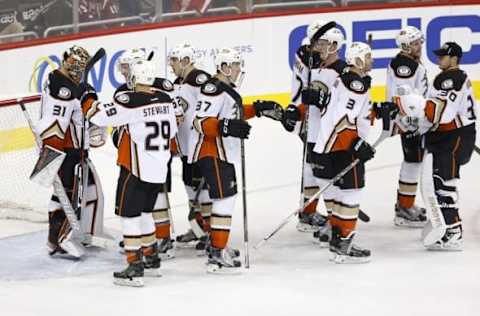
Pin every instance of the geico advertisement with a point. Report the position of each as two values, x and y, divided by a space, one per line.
267 44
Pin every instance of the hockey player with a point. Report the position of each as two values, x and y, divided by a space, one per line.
149 124
340 140
60 129
407 69
188 84
219 125
161 212
316 68
450 113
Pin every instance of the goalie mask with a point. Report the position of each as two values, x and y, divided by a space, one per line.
230 63
75 60
359 55
125 61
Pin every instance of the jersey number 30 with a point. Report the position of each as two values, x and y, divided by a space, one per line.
164 129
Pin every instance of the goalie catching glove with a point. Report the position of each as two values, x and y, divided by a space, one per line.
270 109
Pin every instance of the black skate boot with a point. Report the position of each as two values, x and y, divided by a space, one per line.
309 223
413 217
166 250
187 240
323 235
220 262
345 251
132 275
151 263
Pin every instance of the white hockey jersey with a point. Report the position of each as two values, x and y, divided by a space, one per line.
186 98
402 71
61 116
349 118
455 88
148 124
324 77
217 101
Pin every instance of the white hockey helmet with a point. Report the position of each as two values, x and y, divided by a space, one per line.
408 35
332 36
357 51
314 27
142 72
228 56
182 51
125 61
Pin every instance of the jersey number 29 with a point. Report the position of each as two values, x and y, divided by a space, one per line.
163 129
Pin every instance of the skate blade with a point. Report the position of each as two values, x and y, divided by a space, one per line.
186 245
401 222
201 253
216 269
445 248
170 254
306 228
152 273
134 282
342 259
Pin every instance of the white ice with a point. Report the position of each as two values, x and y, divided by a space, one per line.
290 275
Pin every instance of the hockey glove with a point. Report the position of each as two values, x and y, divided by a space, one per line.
362 150
290 117
317 97
234 128
270 109
85 92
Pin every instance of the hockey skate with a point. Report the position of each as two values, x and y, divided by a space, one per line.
187 240
151 263
221 262
166 250
345 251
203 247
132 275
323 235
309 223
451 241
414 217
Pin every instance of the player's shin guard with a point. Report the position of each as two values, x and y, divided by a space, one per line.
132 275
406 213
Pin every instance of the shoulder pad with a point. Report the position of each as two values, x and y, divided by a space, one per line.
121 89
131 99
355 83
339 66
403 66
451 79
304 54
213 86
163 84
61 87
197 77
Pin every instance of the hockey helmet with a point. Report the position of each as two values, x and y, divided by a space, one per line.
228 56
182 51
357 54
141 72
407 36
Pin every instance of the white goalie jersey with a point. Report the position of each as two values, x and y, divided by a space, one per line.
348 115
148 124
324 77
405 71
61 118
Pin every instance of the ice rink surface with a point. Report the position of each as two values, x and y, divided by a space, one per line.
288 276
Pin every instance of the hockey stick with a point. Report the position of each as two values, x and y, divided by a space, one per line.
244 195
477 150
83 171
382 137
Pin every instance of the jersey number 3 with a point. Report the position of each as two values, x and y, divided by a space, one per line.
163 129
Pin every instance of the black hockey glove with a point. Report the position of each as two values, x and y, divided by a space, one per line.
385 109
85 92
234 128
362 150
290 117
270 109
317 97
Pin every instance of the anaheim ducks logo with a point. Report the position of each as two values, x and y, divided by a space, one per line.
64 93
447 84
167 85
123 98
201 79
404 71
357 85
210 88
181 102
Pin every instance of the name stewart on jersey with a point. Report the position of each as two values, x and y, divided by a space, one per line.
156 110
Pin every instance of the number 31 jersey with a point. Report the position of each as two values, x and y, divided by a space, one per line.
147 123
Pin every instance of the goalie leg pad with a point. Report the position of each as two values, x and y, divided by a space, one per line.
48 164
